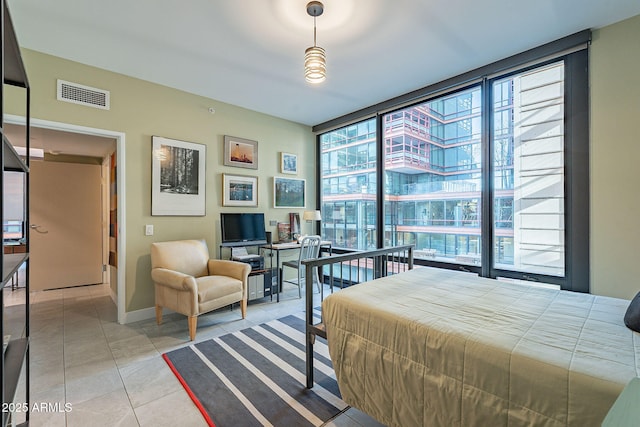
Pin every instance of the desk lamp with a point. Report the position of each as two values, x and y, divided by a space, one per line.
311 216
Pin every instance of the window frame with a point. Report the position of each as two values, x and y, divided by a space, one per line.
573 51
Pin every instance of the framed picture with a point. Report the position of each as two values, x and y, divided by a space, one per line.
238 190
288 163
284 232
288 192
177 177
241 153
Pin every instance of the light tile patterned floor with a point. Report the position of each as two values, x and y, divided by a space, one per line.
113 375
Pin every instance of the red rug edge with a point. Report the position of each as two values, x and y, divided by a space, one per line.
189 392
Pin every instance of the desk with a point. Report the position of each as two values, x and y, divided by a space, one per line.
278 247
14 247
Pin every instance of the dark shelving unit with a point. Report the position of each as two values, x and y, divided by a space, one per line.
15 310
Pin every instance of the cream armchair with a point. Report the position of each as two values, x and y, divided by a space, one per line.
190 283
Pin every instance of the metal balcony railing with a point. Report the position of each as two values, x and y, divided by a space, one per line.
380 263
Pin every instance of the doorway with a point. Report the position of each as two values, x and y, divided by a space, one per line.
113 189
67 245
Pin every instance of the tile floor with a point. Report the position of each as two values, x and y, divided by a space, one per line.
113 375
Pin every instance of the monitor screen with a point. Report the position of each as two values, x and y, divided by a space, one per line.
12 230
242 228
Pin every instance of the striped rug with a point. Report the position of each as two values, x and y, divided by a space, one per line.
256 377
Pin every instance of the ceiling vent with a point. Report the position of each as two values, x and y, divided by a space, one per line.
83 95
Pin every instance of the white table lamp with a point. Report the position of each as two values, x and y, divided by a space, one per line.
311 216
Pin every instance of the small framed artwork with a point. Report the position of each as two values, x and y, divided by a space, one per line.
177 177
238 190
240 152
288 192
284 232
288 163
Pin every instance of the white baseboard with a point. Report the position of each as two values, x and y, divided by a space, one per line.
114 296
138 315
144 314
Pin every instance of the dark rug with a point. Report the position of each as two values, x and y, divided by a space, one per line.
257 377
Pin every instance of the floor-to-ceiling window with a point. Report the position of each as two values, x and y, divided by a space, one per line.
509 148
528 169
432 169
348 186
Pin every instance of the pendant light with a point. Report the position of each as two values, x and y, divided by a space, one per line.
315 62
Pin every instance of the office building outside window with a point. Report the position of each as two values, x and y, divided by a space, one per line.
433 176
349 186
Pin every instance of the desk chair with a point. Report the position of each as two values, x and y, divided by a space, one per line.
309 249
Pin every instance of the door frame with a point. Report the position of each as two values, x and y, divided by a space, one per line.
120 197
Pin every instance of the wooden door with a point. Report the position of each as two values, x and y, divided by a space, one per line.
65 235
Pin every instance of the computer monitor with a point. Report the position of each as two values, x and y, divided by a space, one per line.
243 229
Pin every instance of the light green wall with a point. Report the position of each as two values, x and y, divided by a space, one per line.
141 109
615 159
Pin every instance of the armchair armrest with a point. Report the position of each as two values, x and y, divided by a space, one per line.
173 279
237 270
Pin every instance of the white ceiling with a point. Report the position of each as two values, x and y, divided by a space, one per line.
249 52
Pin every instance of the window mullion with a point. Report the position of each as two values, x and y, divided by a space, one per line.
380 182
487 196
577 191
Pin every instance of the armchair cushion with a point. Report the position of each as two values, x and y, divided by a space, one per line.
214 287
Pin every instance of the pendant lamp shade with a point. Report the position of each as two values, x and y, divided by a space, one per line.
315 65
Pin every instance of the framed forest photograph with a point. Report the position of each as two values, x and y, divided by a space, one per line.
288 192
177 177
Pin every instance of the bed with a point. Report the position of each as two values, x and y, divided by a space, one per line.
436 347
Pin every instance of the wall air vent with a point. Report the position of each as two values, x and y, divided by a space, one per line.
83 95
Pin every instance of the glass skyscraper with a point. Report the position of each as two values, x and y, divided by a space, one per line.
433 176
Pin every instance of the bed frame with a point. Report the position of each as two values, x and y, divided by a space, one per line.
368 265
